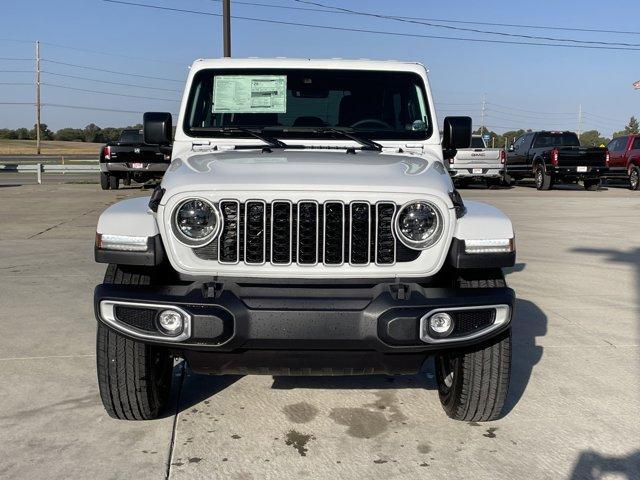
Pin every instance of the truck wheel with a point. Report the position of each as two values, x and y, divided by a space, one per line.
592 184
544 181
134 378
114 182
473 382
634 178
104 181
473 385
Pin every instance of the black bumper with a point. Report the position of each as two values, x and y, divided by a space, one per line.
572 172
240 328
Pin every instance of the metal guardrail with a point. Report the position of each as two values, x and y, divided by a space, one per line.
40 168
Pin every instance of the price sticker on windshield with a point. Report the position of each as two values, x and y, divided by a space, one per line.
250 94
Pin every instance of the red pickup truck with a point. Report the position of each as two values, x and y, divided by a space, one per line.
624 159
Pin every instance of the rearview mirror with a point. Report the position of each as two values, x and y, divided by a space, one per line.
456 133
158 128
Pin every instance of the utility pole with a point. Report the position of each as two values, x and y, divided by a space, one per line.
484 108
579 120
38 97
226 26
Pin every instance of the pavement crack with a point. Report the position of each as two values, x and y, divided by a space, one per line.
174 428
62 223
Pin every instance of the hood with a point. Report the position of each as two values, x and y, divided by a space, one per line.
290 170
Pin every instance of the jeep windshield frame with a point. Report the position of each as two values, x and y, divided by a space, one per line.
321 104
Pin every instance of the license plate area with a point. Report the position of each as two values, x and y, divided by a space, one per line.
582 169
477 170
137 165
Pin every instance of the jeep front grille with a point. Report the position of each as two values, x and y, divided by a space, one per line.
307 233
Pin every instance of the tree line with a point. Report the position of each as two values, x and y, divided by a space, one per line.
589 138
92 133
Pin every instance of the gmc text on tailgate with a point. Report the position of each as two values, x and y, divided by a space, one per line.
556 157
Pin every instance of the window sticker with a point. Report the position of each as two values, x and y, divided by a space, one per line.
250 94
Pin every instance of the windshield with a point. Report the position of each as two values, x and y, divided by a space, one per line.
297 103
550 139
131 136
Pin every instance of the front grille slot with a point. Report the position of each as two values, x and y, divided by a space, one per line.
229 242
255 226
385 239
307 233
333 233
281 232
360 233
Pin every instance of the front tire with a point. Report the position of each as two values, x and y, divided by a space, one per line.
473 385
634 178
134 378
473 382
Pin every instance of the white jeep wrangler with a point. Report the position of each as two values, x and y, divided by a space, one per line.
307 225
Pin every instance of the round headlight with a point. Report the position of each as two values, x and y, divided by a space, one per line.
419 224
196 222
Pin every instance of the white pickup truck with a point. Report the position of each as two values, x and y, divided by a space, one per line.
477 163
305 226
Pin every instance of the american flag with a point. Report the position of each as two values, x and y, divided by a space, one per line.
637 85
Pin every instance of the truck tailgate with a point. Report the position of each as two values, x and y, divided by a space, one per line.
579 156
477 156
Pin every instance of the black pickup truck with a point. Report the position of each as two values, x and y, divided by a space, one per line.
131 159
551 157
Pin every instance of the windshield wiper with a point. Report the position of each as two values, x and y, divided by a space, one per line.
366 143
271 141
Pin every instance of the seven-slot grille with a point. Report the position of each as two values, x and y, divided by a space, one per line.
307 233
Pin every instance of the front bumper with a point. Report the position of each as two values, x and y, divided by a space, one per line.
243 328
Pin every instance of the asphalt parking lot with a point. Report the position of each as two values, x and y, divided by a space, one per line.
573 410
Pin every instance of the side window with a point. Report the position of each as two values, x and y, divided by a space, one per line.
517 145
621 144
636 144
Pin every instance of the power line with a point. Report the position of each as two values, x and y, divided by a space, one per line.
108 93
376 32
17 103
443 20
114 72
108 82
17 59
109 54
17 71
81 107
17 83
464 29
529 111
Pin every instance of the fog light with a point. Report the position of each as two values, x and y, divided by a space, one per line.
171 322
441 324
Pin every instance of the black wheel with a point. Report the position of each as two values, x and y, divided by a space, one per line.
462 183
114 182
134 378
544 181
104 181
473 385
473 382
592 184
634 177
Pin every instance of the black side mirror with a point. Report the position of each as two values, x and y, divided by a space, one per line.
512 148
158 128
456 134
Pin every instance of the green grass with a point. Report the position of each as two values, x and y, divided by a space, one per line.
28 147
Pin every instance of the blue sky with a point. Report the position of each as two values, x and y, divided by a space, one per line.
518 81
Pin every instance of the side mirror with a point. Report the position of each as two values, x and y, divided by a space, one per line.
158 128
457 132
512 148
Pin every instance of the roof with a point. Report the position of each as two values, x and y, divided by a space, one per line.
330 63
